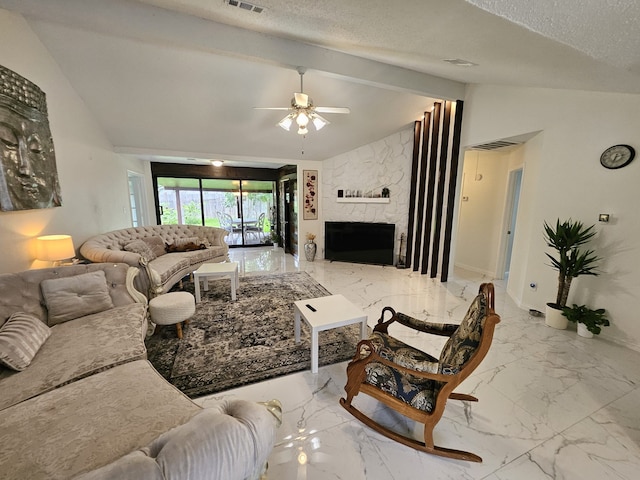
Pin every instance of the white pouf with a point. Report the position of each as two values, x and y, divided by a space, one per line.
172 308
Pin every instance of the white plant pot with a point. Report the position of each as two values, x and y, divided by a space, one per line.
554 318
583 331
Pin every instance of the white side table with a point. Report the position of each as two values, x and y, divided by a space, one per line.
216 270
330 312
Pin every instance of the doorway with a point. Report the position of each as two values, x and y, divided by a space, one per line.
289 218
137 200
511 215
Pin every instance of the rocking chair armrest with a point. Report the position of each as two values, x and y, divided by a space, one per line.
433 328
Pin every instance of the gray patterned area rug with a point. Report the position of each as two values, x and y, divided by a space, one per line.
228 344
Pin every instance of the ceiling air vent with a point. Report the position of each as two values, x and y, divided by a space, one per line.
494 145
250 7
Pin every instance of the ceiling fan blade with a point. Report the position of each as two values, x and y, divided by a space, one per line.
272 108
333 110
301 99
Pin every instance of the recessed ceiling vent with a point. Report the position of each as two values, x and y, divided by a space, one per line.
250 7
494 145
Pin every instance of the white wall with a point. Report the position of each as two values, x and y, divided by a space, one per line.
93 179
563 178
385 163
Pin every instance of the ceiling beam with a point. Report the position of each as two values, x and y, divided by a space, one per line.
149 24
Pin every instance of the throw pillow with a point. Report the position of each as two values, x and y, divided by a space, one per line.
156 244
141 248
77 296
21 337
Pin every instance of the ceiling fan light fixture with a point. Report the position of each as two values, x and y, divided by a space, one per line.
303 111
286 122
302 119
319 122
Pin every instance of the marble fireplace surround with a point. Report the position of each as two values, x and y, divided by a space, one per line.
384 163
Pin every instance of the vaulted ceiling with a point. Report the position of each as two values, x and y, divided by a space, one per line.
178 79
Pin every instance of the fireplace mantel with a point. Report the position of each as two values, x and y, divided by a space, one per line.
362 200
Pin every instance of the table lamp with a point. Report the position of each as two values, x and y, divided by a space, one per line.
54 248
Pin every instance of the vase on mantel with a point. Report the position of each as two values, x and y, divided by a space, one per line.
310 250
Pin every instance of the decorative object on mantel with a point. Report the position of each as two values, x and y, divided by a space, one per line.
385 192
310 247
28 173
310 208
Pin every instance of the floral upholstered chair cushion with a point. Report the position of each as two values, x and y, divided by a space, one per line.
419 392
463 343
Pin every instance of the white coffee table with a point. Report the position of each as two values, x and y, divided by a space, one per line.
208 271
330 312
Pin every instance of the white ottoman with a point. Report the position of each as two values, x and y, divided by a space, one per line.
172 308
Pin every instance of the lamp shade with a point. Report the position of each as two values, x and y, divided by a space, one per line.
54 248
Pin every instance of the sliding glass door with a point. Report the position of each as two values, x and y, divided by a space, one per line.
239 206
179 200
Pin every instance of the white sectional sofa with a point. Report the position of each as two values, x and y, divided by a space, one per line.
89 405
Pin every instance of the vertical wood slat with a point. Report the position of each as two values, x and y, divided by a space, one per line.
455 157
417 128
421 186
442 173
433 155
433 161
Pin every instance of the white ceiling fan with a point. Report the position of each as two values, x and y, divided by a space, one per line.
303 111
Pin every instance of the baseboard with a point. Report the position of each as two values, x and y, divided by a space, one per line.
475 269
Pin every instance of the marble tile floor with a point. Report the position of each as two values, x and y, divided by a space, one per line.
552 405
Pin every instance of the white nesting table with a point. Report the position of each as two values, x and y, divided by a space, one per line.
207 271
331 312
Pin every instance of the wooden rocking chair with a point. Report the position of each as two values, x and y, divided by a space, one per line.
413 382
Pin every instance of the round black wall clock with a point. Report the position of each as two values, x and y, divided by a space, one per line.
617 156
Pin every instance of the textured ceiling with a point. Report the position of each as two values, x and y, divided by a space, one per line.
180 78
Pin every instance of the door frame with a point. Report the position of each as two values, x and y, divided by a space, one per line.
509 219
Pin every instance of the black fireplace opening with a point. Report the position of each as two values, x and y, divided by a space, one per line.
359 242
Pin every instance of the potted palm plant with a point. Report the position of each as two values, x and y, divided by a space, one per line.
567 238
590 322
275 238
